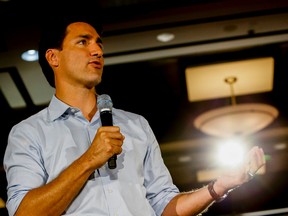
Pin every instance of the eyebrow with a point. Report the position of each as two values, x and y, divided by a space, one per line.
88 36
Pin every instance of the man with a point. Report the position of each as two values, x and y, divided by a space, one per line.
56 160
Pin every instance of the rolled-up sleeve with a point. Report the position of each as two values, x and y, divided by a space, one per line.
22 163
158 181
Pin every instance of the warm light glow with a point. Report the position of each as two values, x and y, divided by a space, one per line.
2 203
230 153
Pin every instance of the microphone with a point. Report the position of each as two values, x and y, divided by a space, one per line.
104 104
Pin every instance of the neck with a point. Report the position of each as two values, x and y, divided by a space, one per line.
83 99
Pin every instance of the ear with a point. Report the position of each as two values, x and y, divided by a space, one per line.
52 57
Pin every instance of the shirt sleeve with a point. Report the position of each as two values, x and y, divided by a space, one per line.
22 164
158 181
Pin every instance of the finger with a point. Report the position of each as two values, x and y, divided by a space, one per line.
114 142
256 161
110 134
260 159
109 129
114 139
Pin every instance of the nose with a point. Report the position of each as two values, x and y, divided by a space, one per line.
97 51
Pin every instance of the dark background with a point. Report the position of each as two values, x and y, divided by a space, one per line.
156 88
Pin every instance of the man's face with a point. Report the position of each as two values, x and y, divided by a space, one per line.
81 58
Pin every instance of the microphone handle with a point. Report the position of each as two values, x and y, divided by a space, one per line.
106 119
112 162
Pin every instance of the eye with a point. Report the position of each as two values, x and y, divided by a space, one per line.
82 42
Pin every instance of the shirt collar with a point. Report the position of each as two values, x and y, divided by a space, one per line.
57 109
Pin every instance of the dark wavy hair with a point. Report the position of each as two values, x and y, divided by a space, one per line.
53 33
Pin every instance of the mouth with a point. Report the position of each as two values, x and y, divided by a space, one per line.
96 64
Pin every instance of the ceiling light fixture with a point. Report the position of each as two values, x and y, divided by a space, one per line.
165 37
30 55
236 119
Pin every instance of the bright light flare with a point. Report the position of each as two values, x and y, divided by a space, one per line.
230 154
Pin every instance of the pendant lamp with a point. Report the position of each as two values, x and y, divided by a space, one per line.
236 119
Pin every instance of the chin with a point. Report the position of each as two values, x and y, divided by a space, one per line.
93 83
97 82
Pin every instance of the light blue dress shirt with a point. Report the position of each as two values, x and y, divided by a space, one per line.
42 146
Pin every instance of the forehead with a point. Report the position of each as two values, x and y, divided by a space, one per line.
80 28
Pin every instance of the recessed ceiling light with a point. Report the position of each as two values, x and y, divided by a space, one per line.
280 146
30 55
184 159
165 37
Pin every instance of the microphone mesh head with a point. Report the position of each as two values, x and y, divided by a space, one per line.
104 102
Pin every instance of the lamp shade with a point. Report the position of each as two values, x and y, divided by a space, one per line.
239 119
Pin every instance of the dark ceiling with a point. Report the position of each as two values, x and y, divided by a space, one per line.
156 87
